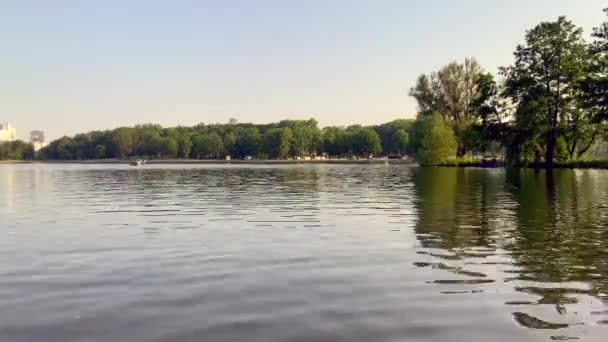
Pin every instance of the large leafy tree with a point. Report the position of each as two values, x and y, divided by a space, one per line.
365 141
123 141
402 139
306 136
595 85
453 91
544 81
436 140
337 141
594 99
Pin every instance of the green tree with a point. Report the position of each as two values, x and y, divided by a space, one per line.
366 141
16 150
230 143
169 147
151 143
100 151
402 139
248 142
277 142
184 146
453 91
387 133
123 140
545 77
437 142
208 146
337 141
595 84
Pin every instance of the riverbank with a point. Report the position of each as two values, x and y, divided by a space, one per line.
15 161
210 162
586 164
574 164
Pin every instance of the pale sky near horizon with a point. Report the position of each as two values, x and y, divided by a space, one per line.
74 66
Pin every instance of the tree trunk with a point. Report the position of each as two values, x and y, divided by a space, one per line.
461 151
586 148
550 153
572 150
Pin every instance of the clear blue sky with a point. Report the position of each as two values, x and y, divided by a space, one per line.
73 66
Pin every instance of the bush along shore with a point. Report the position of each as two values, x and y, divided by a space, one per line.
550 109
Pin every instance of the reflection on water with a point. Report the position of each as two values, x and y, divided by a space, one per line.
541 235
301 253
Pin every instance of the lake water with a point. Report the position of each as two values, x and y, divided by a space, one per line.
301 253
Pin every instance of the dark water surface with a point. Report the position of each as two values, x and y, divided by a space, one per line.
302 253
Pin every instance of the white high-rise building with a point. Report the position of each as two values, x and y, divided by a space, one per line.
7 132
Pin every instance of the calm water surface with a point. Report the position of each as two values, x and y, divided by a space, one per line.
302 253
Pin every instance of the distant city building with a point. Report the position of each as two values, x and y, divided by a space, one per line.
36 136
37 139
7 132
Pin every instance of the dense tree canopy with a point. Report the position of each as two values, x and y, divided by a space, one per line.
452 92
437 142
544 83
283 140
16 150
553 104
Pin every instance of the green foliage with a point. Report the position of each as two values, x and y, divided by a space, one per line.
561 149
437 142
553 103
390 143
123 140
402 140
544 81
337 141
595 83
473 139
169 147
100 151
16 150
455 92
306 136
248 142
208 146
184 146
276 142
365 142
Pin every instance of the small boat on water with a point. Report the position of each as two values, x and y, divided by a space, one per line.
138 162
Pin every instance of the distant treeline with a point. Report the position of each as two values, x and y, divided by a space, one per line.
551 105
282 140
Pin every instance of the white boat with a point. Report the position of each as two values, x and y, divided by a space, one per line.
138 162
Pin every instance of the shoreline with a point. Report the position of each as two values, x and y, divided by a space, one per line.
590 164
209 162
597 164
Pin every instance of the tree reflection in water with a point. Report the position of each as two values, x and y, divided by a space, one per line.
545 234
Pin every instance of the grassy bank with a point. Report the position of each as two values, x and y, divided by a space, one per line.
572 164
471 162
